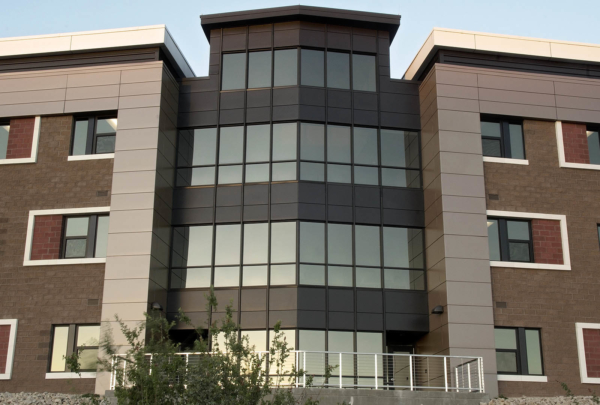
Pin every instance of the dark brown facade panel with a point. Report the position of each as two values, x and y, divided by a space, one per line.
229 196
286 96
401 121
286 113
253 320
339 194
283 299
231 117
286 319
198 101
341 41
362 43
258 98
400 103
369 301
367 118
228 214
256 213
256 194
254 299
235 42
369 322
339 115
312 320
194 197
260 40
403 218
198 84
337 213
312 193
407 322
341 321
231 100
197 119
341 300
312 96
406 302
367 215
256 115
365 101
192 216
280 212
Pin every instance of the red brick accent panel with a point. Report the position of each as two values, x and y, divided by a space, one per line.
591 344
575 143
547 241
20 138
4 337
47 232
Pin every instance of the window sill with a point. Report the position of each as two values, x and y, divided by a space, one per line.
506 160
63 376
535 266
522 378
17 161
61 262
586 166
91 157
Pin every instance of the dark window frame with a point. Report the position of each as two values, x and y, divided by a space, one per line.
590 128
521 351
72 347
505 241
505 122
92 135
91 237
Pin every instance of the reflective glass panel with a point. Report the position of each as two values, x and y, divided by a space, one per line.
506 338
491 129
338 70
88 359
519 252
312 141
403 247
283 242
227 276
312 171
518 230
338 144
399 148
594 147
231 145
101 237
339 243
491 147
367 245
5 129
230 174
365 146
493 239
341 342
259 69
312 275
257 339
106 126
506 362
400 178
75 248
283 274
284 171
88 335
367 342
366 175
404 279
205 146
256 243
196 278
339 173
234 71
338 276
517 149
257 173
77 226
286 67
368 277
534 351
202 176
59 348
363 72
227 241
284 141
258 143
254 275
312 242
105 144
312 72
79 137
311 340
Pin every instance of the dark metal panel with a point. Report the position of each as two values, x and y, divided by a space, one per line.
399 103
198 101
403 218
311 212
338 213
253 320
258 98
235 42
284 193
287 38
187 300
311 193
311 113
362 43
286 113
228 214
286 96
339 115
367 196
368 322
287 319
315 39
362 117
401 121
232 99
339 98
367 215
254 299
402 199
231 117
262 114
196 84
369 301
225 297
399 86
229 195
312 96
283 299
257 194
197 119
341 300
256 213
257 40
196 318
341 321
192 216
339 194
284 211
193 197
311 299
384 46
406 302
407 322
336 40
366 101
312 319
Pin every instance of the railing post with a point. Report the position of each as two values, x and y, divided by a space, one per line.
297 381
469 375
340 366
410 370
304 370
376 385
481 375
445 374
456 375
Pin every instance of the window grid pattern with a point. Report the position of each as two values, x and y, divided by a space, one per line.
502 137
510 240
519 351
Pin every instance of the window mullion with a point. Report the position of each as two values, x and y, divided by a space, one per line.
89 147
506 139
91 236
522 352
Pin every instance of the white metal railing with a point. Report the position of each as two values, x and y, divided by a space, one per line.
414 372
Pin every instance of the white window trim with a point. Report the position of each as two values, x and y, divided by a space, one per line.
62 376
91 157
561 152
522 378
34 147
540 266
63 211
12 340
579 327
492 159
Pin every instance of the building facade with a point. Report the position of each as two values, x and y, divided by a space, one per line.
450 212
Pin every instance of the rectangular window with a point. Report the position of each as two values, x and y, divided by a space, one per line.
502 138
4 130
510 240
234 71
518 351
67 340
363 73
94 135
285 139
312 68
85 236
338 70
312 142
593 138
286 67
259 69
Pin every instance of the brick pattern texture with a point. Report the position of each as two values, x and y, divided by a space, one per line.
549 299
42 296
47 232
547 241
591 343
575 143
20 138
4 336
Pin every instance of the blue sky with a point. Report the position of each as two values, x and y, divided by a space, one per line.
573 20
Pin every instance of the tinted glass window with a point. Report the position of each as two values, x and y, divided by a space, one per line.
518 230
517 150
312 171
227 276
312 141
205 146
363 72
259 69
227 241
367 247
4 130
339 244
404 279
400 178
338 144
594 147
101 237
491 143
254 275
284 171
196 278
234 71
368 277
105 144
339 174
284 141
202 176
200 245
231 146
256 238
312 275
257 173
534 351
493 239
338 276
399 149
283 242
338 70
230 174
286 67
258 140
366 175
283 274
402 247
365 146
79 137
312 242
312 72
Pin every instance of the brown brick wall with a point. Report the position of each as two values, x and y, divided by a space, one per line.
591 343
47 231
20 138
575 143
4 336
552 300
40 296
547 241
